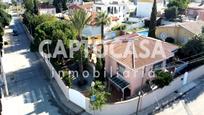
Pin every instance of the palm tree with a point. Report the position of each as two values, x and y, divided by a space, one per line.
79 19
102 19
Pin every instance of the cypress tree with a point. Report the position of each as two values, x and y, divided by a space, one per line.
35 5
153 22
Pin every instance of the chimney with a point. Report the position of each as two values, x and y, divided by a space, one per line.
133 54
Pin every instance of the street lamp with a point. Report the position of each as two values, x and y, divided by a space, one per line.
92 84
93 97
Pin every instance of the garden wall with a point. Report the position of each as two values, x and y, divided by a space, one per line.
129 106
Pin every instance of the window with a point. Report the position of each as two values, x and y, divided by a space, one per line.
121 69
109 10
98 9
158 65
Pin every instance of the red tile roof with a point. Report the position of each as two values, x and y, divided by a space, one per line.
123 44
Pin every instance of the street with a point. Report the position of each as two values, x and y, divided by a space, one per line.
189 104
29 89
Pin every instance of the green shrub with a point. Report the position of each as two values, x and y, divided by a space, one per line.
101 95
162 78
120 27
67 79
171 12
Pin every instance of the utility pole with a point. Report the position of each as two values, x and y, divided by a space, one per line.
140 91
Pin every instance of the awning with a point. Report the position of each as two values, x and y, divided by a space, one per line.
119 82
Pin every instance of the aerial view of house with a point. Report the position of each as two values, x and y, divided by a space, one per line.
101 57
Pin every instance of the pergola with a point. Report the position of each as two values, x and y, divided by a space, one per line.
119 82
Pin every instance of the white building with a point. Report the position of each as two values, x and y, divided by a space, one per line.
6 1
144 8
199 1
115 8
77 2
45 8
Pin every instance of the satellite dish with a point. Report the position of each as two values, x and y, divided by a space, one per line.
163 36
183 40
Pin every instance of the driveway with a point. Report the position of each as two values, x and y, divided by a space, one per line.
30 92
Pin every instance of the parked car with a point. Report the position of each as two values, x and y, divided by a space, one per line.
15 33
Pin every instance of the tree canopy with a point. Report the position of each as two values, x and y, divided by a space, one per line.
31 6
180 4
3 5
60 5
193 47
53 30
171 12
5 18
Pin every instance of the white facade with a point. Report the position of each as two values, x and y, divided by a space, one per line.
77 2
119 9
144 9
110 1
51 11
6 1
197 1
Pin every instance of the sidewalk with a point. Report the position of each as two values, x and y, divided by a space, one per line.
170 98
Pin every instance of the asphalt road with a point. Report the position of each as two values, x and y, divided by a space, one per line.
30 92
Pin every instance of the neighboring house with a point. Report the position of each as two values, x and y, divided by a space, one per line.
118 10
180 32
6 1
87 6
198 1
45 8
195 11
144 8
131 71
110 1
77 2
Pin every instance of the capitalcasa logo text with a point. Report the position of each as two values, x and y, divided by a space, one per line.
110 48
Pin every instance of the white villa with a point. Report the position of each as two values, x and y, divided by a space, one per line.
77 2
115 8
144 7
45 8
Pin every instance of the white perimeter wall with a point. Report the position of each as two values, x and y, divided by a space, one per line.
129 107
